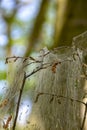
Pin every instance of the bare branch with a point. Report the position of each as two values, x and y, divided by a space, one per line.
19 99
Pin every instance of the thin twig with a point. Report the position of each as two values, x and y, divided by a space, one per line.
15 58
37 69
19 99
58 96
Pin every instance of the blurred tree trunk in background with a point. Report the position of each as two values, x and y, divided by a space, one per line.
40 19
71 21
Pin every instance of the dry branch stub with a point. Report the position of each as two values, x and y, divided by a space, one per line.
53 109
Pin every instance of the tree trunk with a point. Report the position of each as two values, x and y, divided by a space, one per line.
60 91
72 23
